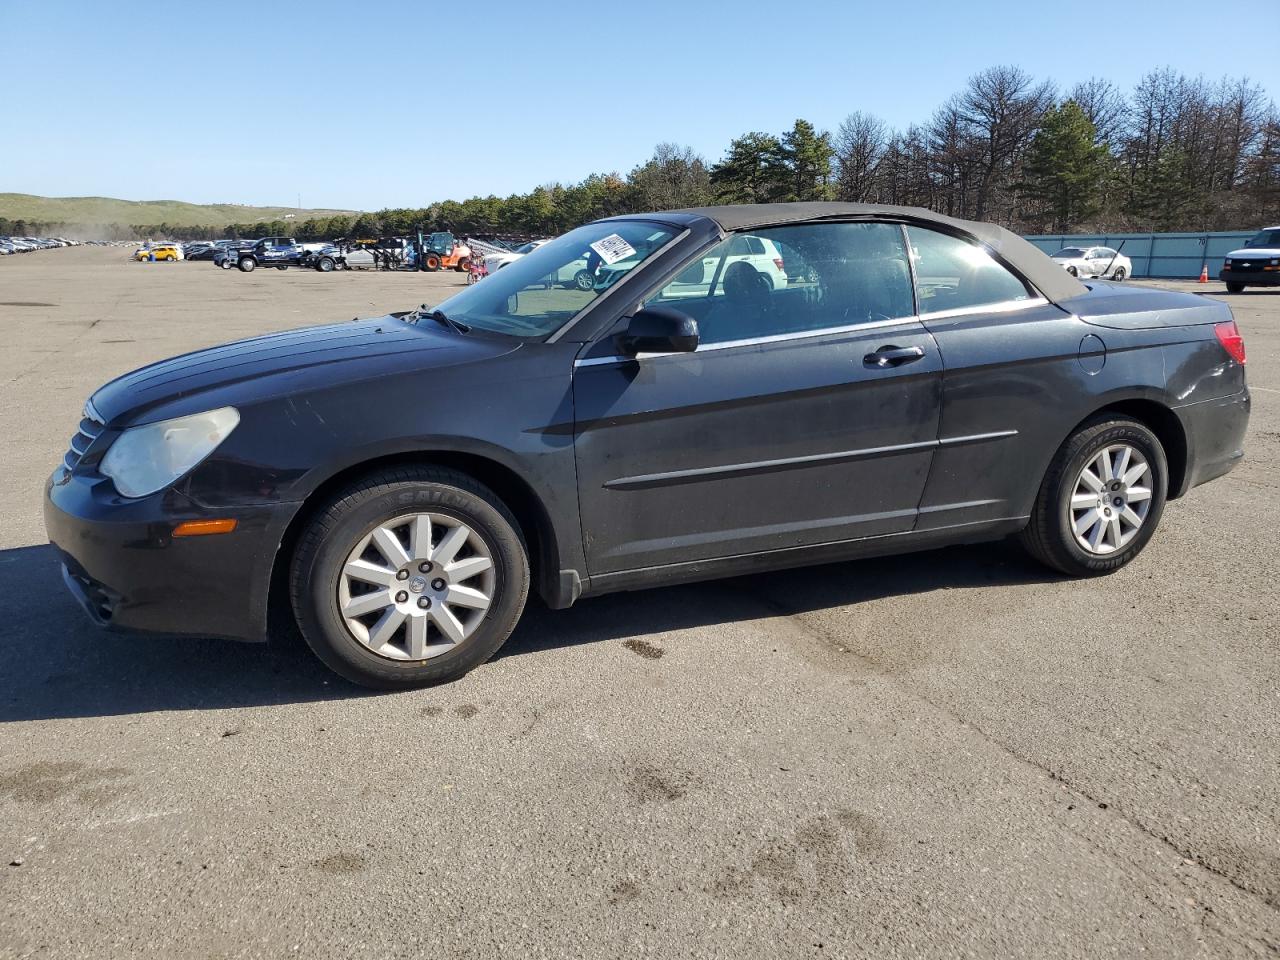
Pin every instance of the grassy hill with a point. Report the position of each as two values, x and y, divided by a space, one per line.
95 210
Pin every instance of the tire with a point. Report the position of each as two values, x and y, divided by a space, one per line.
225 264
247 265
432 263
317 581
584 280
463 265
1051 536
282 266
1073 271
1235 288
325 264
1119 275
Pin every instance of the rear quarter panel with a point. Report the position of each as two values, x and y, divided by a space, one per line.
1025 379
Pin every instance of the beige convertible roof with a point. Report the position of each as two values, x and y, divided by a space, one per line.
1048 277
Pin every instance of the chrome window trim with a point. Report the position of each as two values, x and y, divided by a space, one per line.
1002 306
753 341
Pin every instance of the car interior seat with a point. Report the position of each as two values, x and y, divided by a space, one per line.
747 308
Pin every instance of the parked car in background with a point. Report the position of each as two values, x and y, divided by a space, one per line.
936 382
1256 264
279 252
496 261
760 253
325 257
1100 262
199 250
159 252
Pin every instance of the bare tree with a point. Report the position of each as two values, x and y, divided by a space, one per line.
1104 105
1000 110
861 144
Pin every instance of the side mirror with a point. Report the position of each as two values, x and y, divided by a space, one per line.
659 330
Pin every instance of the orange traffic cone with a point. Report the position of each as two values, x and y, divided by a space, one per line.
1204 274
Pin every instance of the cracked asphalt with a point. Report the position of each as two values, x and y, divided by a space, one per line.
950 754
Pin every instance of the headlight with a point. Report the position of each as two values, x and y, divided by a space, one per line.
149 458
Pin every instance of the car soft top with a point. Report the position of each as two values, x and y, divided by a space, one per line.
1048 277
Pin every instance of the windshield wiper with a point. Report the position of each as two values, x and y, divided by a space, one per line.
440 317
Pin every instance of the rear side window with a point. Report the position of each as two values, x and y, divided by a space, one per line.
955 274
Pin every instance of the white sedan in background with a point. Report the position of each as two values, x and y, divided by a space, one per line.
496 261
1103 262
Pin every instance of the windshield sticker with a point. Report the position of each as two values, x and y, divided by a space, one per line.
613 248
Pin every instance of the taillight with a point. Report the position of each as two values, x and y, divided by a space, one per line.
778 263
1229 336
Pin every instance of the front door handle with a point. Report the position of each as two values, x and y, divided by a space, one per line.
891 356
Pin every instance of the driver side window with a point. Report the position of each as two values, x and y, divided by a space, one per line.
785 280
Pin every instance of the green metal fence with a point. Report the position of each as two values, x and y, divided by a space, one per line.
1171 255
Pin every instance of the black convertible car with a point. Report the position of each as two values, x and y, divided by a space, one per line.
739 389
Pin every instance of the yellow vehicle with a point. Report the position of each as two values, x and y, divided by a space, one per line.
160 253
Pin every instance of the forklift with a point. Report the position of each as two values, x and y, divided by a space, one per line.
440 251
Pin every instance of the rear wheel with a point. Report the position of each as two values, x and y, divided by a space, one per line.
1101 499
432 262
1119 274
584 279
413 576
1073 271
325 264
1235 287
247 264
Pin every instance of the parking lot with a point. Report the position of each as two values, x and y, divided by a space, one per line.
949 754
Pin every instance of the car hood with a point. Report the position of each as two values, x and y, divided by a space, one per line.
1257 253
282 363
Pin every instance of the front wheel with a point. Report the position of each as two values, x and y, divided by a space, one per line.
414 576
1235 288
325 264
1119 275
248 265
1101 499
432 263
282 266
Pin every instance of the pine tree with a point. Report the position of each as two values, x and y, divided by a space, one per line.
807 155
1064 169
752 171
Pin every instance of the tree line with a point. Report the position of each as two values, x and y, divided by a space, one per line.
1175 153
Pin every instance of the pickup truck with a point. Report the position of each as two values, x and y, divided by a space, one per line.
279 252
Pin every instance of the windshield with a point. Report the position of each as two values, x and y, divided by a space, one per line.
1265 238
1070 253
537 294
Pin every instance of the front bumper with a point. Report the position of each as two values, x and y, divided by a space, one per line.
126 569
1251 278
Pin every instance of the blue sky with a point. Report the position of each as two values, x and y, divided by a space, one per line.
365 104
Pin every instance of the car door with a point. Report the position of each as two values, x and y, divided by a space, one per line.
1013 367
806 415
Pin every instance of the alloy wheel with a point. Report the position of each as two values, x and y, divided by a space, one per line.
417 586
1111 499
